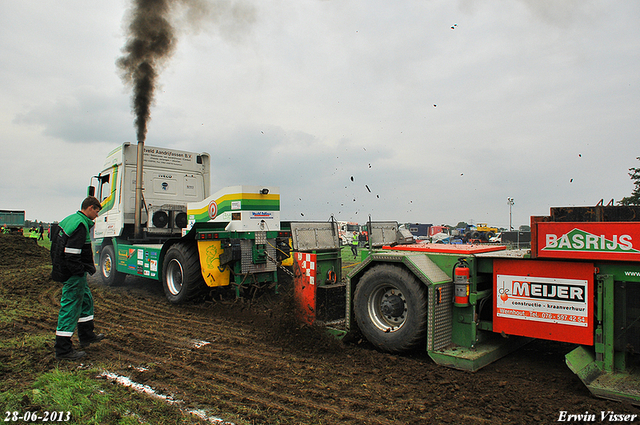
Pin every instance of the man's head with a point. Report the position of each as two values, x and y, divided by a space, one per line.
91 207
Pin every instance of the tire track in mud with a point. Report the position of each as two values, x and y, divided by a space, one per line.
267 392
137 323
255 390
152 317
231 368
235 322
50 296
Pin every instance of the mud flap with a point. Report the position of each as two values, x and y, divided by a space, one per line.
213 274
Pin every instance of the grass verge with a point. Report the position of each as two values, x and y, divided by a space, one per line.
78 398
32 381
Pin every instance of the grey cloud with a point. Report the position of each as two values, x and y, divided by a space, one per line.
84 116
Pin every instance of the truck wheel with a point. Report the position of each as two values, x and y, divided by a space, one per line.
390 306
181 276
110 276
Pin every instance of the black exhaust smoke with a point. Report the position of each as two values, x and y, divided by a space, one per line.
152 40
150 43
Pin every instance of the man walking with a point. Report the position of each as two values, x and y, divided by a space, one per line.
72 259
354 245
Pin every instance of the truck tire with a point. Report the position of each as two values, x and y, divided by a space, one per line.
181 276
390 307
110 276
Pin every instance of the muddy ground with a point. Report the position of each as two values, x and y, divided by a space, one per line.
255 362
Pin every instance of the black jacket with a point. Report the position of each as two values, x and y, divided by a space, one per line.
71 253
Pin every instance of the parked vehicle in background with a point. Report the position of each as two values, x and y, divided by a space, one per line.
346 229
447 236
12 221
420 231
516 238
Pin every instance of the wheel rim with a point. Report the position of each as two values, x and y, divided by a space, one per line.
387 308
107 266
174 277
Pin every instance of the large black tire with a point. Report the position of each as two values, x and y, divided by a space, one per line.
390 307
108 261
181 276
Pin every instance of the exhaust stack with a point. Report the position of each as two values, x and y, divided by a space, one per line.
137 219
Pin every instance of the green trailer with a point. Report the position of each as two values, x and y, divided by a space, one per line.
469 305
12 221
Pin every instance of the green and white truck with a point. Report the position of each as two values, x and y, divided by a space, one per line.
187 238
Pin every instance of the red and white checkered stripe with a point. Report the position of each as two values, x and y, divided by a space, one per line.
307 263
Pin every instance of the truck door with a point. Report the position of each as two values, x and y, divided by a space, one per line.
106 192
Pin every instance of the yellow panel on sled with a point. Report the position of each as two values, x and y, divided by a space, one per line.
210 252
288 262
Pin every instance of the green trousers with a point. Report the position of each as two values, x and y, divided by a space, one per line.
76 305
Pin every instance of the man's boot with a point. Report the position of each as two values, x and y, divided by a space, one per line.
64 349
86 335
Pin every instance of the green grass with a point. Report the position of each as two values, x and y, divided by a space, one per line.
348 262
35 341
32 381
73 388
45 242
77 395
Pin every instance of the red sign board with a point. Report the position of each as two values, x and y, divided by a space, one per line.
544 299
590 241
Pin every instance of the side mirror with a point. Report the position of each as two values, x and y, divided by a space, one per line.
91 191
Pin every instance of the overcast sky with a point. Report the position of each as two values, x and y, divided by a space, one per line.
439 110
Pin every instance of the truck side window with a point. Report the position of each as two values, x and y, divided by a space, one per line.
105 187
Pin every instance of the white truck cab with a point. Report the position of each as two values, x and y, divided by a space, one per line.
172 178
